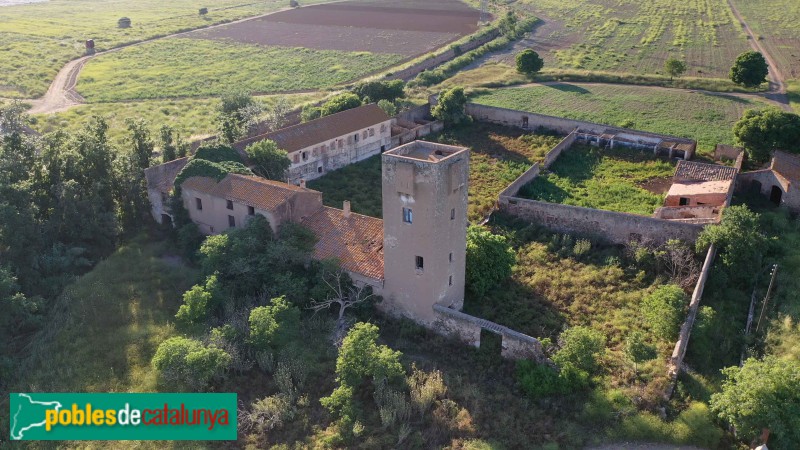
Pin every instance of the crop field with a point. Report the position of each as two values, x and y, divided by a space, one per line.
180 67
189 117
775 22
36 39
637 37
621 180
706 118
498 156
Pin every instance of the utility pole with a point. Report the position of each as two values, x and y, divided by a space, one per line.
766 299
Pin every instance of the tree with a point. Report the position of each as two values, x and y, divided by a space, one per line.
761 132
675 67
451 107
375 91
310 112
269 160
188 362
750 69
740 239
489 259
274 325
141 143
339 103
580 348
200 301
388 107
342 293
169 150
529 62
277 115
238 111
508 24
663 310
637 350
762 394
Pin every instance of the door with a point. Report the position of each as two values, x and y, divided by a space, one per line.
776 195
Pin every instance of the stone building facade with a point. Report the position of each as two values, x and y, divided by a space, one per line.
780 182
331 142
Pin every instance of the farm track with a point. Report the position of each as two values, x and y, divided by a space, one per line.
61 95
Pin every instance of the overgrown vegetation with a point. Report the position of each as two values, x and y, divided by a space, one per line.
609 179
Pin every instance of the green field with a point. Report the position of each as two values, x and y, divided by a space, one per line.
180 67
637 37
189 117
498 156
602 179
774 23
704 117
37 39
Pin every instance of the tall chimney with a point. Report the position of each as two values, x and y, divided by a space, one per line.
303 184
346 209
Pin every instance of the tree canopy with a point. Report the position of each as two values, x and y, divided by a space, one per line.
339 103
663 310
739 237
451 107
675 67
269 160
750 69
375 91
489 259
529 62
761 132
762 394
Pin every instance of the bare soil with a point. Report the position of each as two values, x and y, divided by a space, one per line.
658 186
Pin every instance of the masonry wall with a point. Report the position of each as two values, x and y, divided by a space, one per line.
467 329
613 227
430 63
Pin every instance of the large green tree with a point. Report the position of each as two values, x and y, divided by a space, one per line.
238 111
529 62
269 161
451 107
489 259
750 69
739 238
675 67
581 347
339 103
273 325
761 132
762 394
375 91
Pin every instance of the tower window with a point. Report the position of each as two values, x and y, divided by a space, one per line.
451 257
420 263
450 282
230 205
199 204
453 214
408 215
251 211
231 221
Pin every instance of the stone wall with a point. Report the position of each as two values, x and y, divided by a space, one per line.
676 361
467 329
613 227
436 60
513 189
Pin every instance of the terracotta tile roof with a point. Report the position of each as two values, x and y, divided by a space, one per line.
321 130
786 165
695 171
251 190
162 177
357 241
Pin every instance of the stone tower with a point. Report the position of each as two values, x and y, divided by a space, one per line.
424 228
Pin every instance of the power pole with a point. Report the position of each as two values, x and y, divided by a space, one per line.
484 12
766 299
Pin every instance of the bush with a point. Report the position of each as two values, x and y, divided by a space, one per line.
217 153
451 107
270 413
388 107
339 103
663 310
187 362
310 112
275 325
376 91
580 348
489 259
269 161
200 301
539 380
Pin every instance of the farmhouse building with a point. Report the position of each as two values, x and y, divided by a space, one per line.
779 182
415 258
331 142
699 192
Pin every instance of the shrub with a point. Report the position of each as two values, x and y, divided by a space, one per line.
489 259
580 348
539 380
271 412
339 103
200 301
203 11
529 62
269 161
187 362
388 107
217 153
425 388
310 112
663 310
274 325
376 91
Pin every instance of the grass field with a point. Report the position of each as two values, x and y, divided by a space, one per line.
189 117
179 67
37 39
775 24
602 179
706 118
498 156
637 37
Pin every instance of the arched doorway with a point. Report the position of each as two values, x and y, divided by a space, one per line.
776 195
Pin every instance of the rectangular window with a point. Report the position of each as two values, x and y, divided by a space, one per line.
450 282
341 143
371 132
199 204
230 205
355 137
231 221
305 156
251 211
684 201
365 134
453 214
524 121
296 158
408 215
451 257
383 128
420 263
